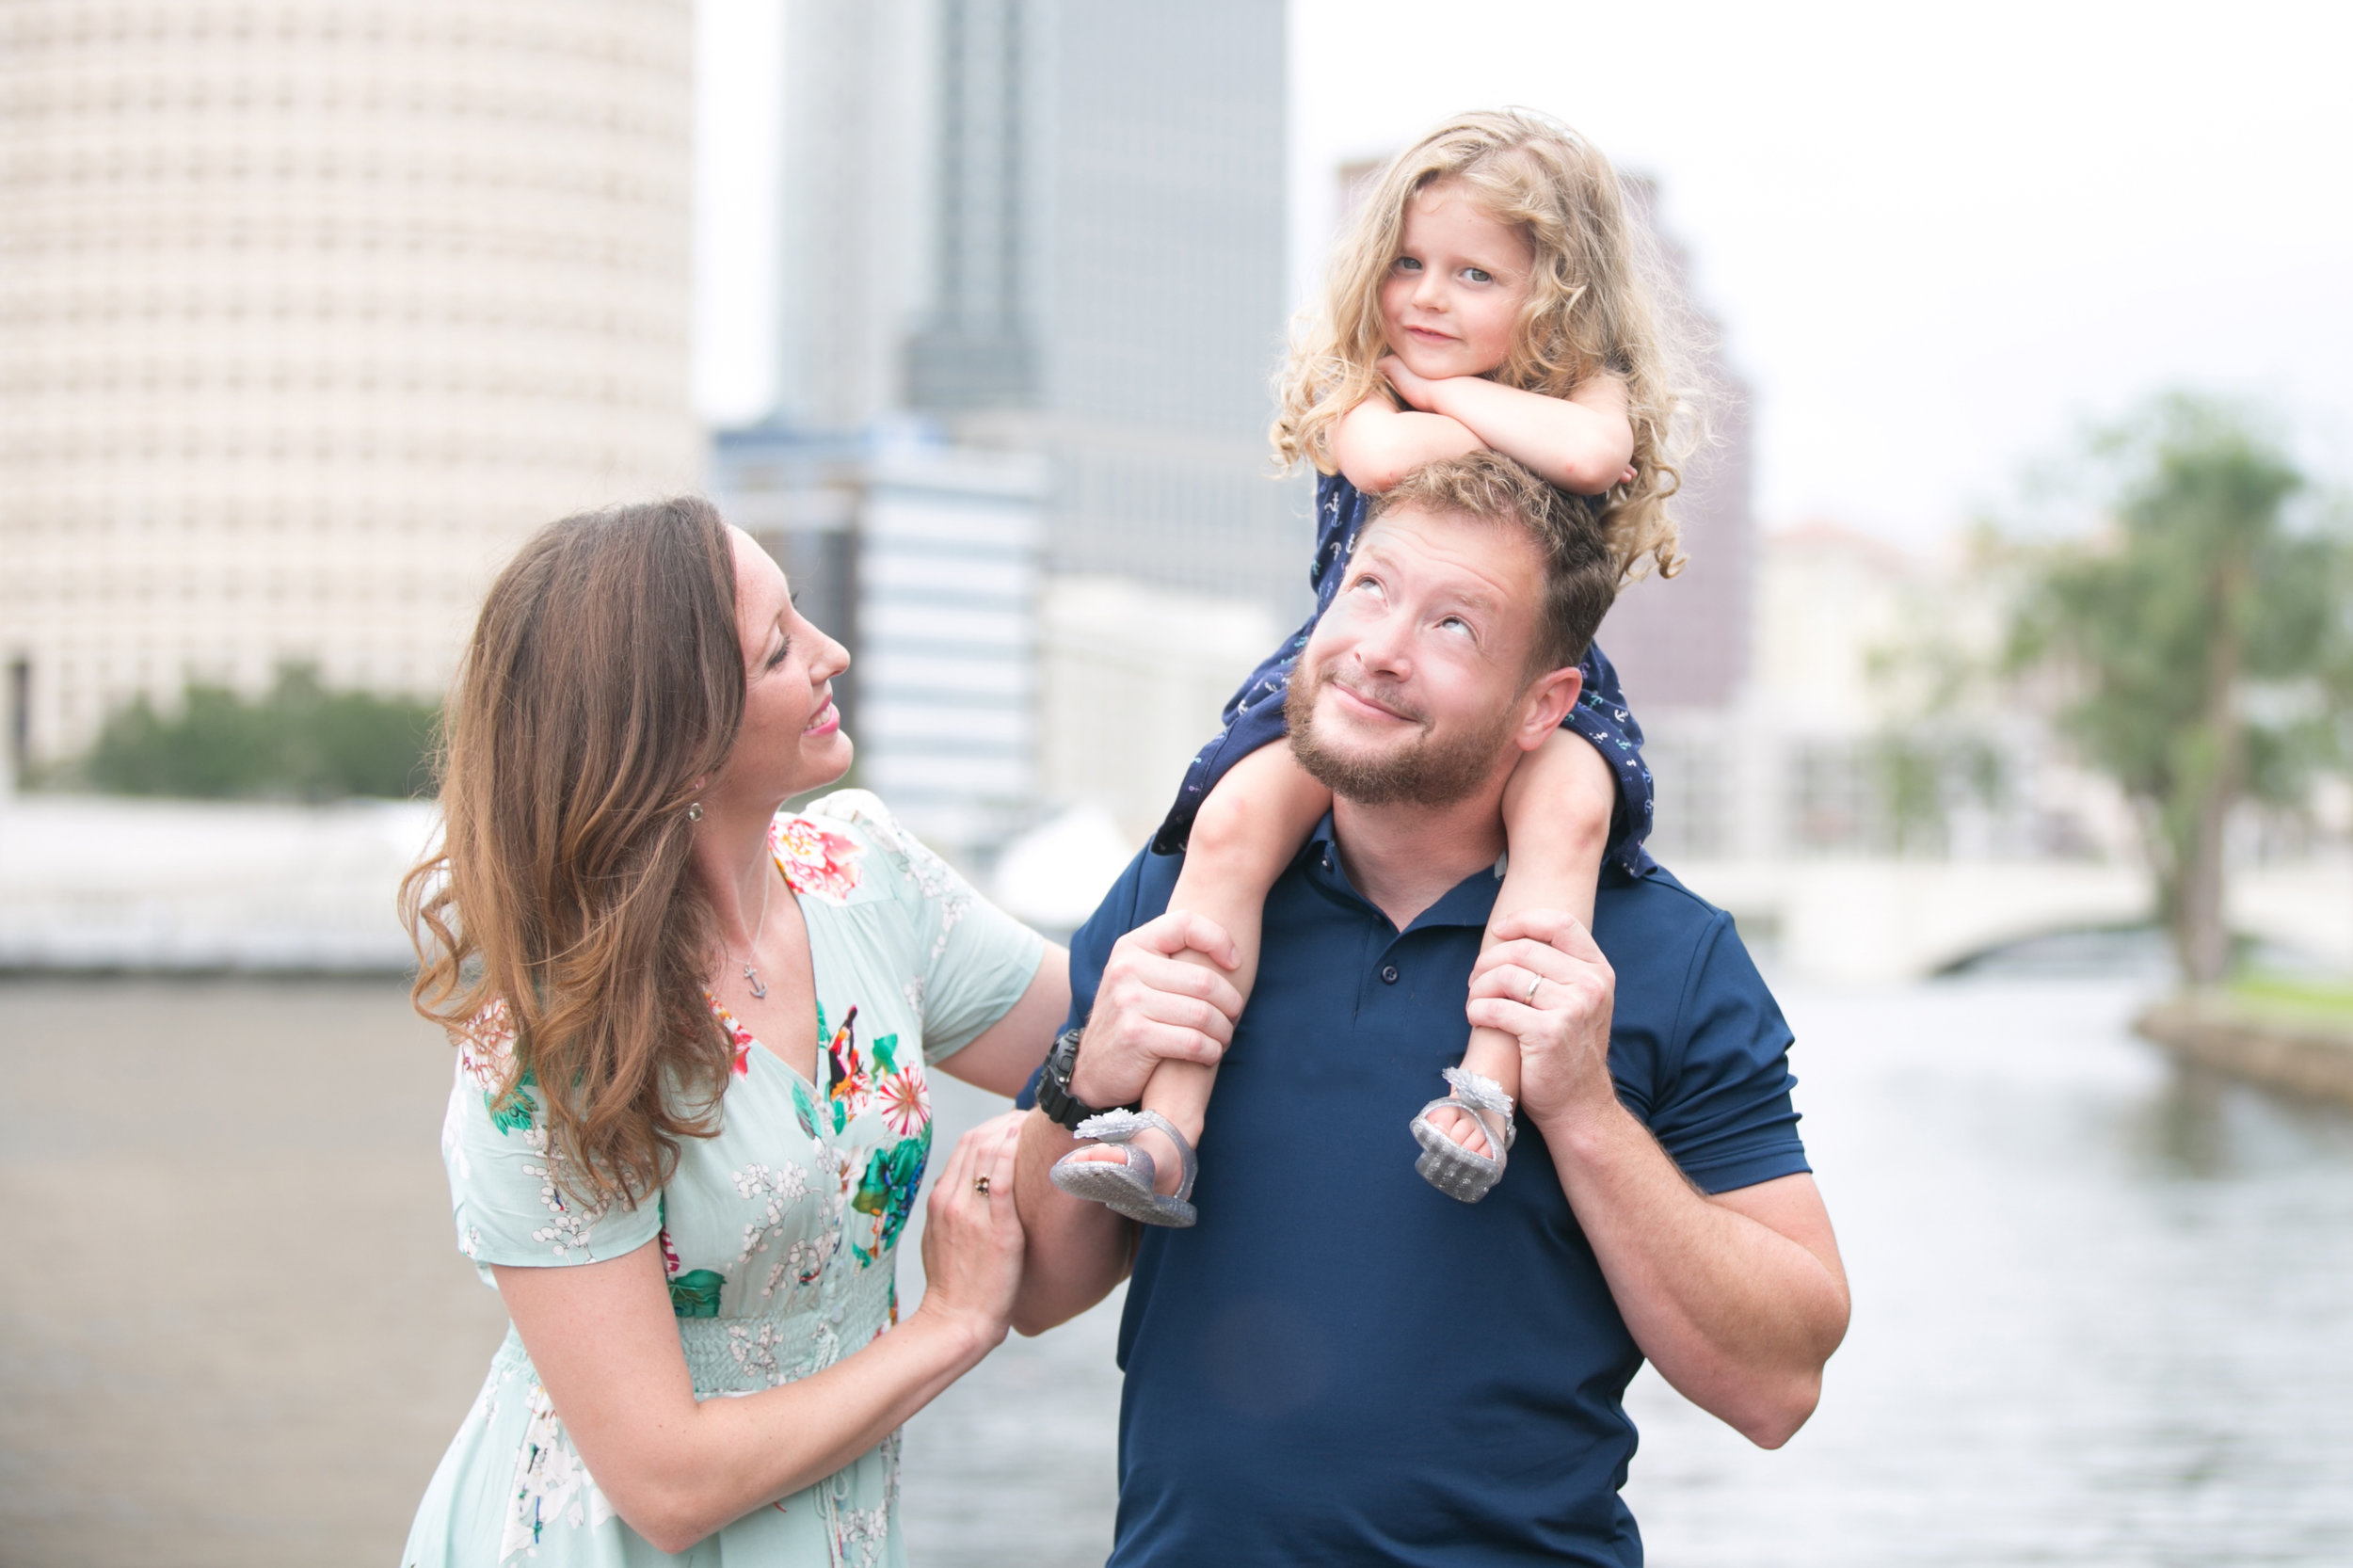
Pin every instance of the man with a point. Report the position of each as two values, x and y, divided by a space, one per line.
1337 1363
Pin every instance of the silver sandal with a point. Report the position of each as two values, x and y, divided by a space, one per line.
1448 1166
1125 1186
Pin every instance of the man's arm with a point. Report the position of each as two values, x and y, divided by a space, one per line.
1077 1250
1149 1008
1738 1299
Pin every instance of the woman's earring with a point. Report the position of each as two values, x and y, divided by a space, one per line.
694 810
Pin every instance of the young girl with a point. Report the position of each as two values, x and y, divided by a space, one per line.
1492 292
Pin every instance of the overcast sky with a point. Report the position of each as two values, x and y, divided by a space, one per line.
1940 240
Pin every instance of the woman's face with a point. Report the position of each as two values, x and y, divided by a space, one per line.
791 738
1455 290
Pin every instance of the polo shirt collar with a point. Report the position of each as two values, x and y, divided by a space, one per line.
1469 901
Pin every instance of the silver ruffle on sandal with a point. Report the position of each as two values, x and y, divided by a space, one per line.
1447 1164
1124 1185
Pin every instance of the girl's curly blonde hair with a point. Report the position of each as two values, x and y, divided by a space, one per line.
1598 303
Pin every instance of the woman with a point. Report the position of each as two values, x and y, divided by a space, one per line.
691 1109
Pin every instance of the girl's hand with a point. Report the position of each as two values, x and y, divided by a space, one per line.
1419 391
972 1239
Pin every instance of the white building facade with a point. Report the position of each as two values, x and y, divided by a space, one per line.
309 311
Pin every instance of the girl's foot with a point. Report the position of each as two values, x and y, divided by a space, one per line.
1139 1153
1464 1165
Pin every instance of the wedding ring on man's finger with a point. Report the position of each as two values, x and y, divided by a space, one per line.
1530 999
980 1185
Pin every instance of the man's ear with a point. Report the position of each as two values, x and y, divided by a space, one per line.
1549 698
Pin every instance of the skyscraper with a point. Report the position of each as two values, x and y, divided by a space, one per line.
1045 237
310 310
1090 196
1110 270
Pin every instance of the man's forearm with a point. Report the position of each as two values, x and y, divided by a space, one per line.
1738 1300
1075 1252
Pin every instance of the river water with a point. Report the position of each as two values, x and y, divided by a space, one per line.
2103 1313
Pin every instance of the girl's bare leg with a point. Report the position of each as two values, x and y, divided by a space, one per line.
1246 832
1556 820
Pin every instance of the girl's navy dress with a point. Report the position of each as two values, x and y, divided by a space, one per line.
1254 715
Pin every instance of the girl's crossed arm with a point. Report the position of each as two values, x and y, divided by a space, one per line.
1583 442
1376 443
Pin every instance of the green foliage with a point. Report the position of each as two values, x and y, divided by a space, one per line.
2194 641
2297 999
299 742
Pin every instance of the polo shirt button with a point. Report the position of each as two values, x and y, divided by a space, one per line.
1389 973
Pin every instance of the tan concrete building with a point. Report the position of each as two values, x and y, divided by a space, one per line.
310 310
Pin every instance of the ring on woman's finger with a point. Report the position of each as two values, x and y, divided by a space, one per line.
1531 998
980 1185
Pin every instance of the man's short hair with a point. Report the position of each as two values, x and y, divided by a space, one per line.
1581 578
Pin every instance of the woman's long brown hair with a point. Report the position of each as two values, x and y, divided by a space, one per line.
605 680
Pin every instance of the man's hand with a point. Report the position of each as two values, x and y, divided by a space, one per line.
1545 981
1738 1298
1150 1008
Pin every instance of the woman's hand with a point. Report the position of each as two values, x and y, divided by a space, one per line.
972 1239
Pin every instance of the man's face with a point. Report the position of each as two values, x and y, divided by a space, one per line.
1409 689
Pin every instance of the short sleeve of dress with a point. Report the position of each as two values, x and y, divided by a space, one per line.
504 1196
972 960
1725 1116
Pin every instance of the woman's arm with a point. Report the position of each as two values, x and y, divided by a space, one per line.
1002 1056
605 1344
1581 442
1377 445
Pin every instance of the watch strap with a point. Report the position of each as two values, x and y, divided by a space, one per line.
1054 1084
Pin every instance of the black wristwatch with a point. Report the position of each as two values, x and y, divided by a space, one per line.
1053 1085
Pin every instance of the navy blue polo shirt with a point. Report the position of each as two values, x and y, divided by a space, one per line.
1340 1364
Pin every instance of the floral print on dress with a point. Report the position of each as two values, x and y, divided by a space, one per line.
486 1054
549 1483
757 1224
694 1292
738 1036
872 1079
905 1102
816 863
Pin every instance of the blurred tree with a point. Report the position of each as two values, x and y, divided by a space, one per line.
2195 640
298 742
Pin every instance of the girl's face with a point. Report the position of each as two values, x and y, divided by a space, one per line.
1455 290
791 736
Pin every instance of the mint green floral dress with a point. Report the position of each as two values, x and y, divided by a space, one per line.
779 1234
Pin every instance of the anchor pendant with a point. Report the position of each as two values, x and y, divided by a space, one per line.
760 992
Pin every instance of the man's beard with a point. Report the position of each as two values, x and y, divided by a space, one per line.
1428 771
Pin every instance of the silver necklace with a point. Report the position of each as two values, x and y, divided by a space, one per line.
767 886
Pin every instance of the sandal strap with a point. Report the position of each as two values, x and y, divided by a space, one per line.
1484 1098
1120 1126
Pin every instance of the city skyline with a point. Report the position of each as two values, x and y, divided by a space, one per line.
1937 249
